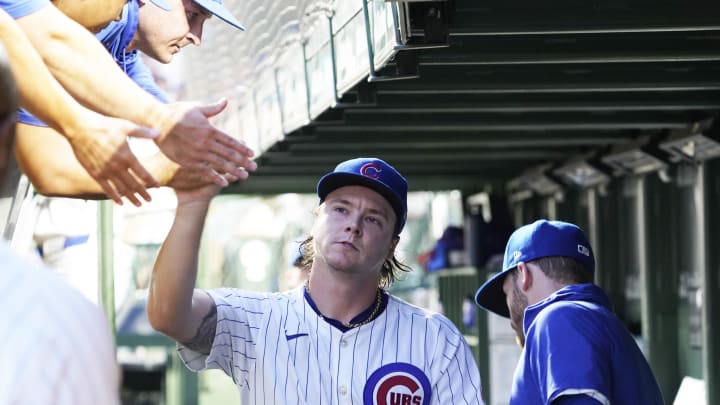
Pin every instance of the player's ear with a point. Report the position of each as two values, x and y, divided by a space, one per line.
525 276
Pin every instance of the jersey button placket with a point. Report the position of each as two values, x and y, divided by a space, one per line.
342 390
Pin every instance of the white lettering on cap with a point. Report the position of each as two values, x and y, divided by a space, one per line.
583 250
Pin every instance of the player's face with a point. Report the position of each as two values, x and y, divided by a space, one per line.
354 231
516 302
91 14
161 34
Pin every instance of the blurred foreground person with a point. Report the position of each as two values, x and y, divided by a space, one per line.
57 347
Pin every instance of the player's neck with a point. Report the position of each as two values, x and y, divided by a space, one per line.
340 298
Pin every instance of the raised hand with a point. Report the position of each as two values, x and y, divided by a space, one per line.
173 175
101 148
189 139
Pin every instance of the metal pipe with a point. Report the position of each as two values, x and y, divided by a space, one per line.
106 262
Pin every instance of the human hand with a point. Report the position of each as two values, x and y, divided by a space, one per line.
189 139
101 147
201 196
173 175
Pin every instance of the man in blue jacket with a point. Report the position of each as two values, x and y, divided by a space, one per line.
575 350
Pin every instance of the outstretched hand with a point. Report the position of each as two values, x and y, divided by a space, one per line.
101 148
189 185
189 139
177 177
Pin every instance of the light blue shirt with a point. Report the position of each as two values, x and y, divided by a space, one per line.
21 8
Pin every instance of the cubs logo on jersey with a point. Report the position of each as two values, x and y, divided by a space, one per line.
397 384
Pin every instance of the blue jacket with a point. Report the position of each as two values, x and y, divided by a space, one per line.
576 345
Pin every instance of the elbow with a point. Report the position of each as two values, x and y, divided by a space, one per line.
166 319
159 318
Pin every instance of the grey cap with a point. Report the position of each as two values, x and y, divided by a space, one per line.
213 6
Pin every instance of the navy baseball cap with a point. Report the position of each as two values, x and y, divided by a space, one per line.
213 6
372 173
540 239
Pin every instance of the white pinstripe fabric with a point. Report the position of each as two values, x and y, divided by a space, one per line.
56 346
254 345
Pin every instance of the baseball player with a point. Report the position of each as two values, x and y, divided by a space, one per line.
575 350
340 337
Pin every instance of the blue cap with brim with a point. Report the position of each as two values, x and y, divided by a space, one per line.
540 239
213 6
372 173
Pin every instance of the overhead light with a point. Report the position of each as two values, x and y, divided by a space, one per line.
537 180
701 142
639 160
583 173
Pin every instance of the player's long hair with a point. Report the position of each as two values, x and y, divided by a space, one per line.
390 271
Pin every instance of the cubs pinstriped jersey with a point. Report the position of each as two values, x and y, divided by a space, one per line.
278 350
56 345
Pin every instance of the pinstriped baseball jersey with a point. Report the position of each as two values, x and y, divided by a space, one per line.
56 345
278 350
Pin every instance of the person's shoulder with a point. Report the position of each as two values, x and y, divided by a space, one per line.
116 36
432 320
563 315
39 292
22 273
248 298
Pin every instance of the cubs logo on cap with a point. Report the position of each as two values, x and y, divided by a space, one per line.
372 173
540 239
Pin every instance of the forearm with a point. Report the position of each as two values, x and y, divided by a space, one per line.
86 70
47 159
39 92
173 308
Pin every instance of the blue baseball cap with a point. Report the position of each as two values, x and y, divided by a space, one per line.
374 174
213 6
540 239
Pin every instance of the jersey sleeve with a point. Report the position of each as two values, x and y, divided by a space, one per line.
567 354
575 400
233 349
459 381
21 8
25 117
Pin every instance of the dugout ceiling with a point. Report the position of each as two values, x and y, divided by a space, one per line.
522 86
